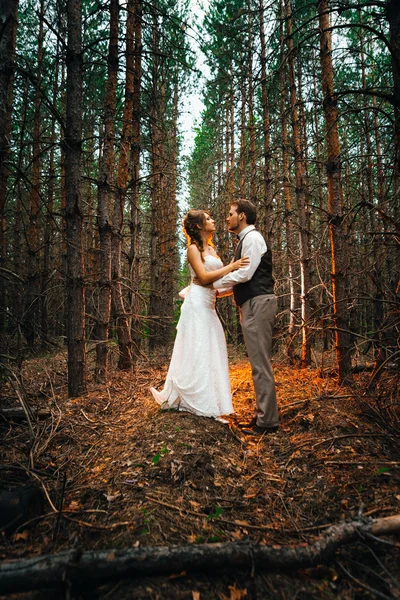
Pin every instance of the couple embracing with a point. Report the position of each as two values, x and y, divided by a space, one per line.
198 374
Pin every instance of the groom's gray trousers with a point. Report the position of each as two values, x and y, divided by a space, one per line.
257 317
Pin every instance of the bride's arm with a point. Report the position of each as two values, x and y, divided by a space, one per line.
207 277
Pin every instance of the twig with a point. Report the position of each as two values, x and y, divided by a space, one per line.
348 435
55 514
87 418
45 491
387 542
94 526
204 516
291 518
311 528
100 422
382 566
360 462
379 369
331 439
57 524
378 509
26 410
109 399
363 585
282 408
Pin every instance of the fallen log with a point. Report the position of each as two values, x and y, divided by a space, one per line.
95 567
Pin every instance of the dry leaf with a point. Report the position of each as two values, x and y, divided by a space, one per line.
236 594
22 536
195 595
114 497
177 575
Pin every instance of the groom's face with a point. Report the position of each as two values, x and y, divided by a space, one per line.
233 219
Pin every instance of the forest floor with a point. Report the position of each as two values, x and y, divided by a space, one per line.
128 474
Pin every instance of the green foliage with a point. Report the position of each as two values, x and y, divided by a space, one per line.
163 450
217 513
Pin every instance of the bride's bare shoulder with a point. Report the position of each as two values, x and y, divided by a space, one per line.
193 254
193 251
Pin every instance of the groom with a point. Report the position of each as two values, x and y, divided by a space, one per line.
253 291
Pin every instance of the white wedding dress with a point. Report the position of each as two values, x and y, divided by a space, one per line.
198 374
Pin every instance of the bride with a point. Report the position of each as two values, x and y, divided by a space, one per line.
198 375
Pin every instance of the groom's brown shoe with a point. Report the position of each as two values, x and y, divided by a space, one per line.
257 430
252 423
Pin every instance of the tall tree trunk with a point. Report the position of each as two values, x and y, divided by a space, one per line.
8 15
230 143
49 218
123 330
378 247
267 194
135 224
335 197
106 198
73 209
393 17
300 173
252 133
19 248
35 203
242 153
157 312
90 197
286 182
171 210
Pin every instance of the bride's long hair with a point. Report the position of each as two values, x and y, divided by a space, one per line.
193 223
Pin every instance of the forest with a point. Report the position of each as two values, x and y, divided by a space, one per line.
301 115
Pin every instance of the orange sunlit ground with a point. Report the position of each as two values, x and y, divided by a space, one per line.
139 476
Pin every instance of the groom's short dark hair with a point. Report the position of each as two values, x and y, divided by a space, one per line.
246 207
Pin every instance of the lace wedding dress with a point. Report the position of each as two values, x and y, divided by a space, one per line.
198 375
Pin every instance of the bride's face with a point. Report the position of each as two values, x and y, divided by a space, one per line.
209 224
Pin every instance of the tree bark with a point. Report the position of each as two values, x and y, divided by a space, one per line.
9 16
122 325
337 229
95 567
300 174
135 223
267 195
242 154
31 320
286 182
49 220
393 17
251 126
162 230
73 209
106 198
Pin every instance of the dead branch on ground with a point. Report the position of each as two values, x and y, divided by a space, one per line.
95 567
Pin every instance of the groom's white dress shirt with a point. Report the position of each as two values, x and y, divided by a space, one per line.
254 247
